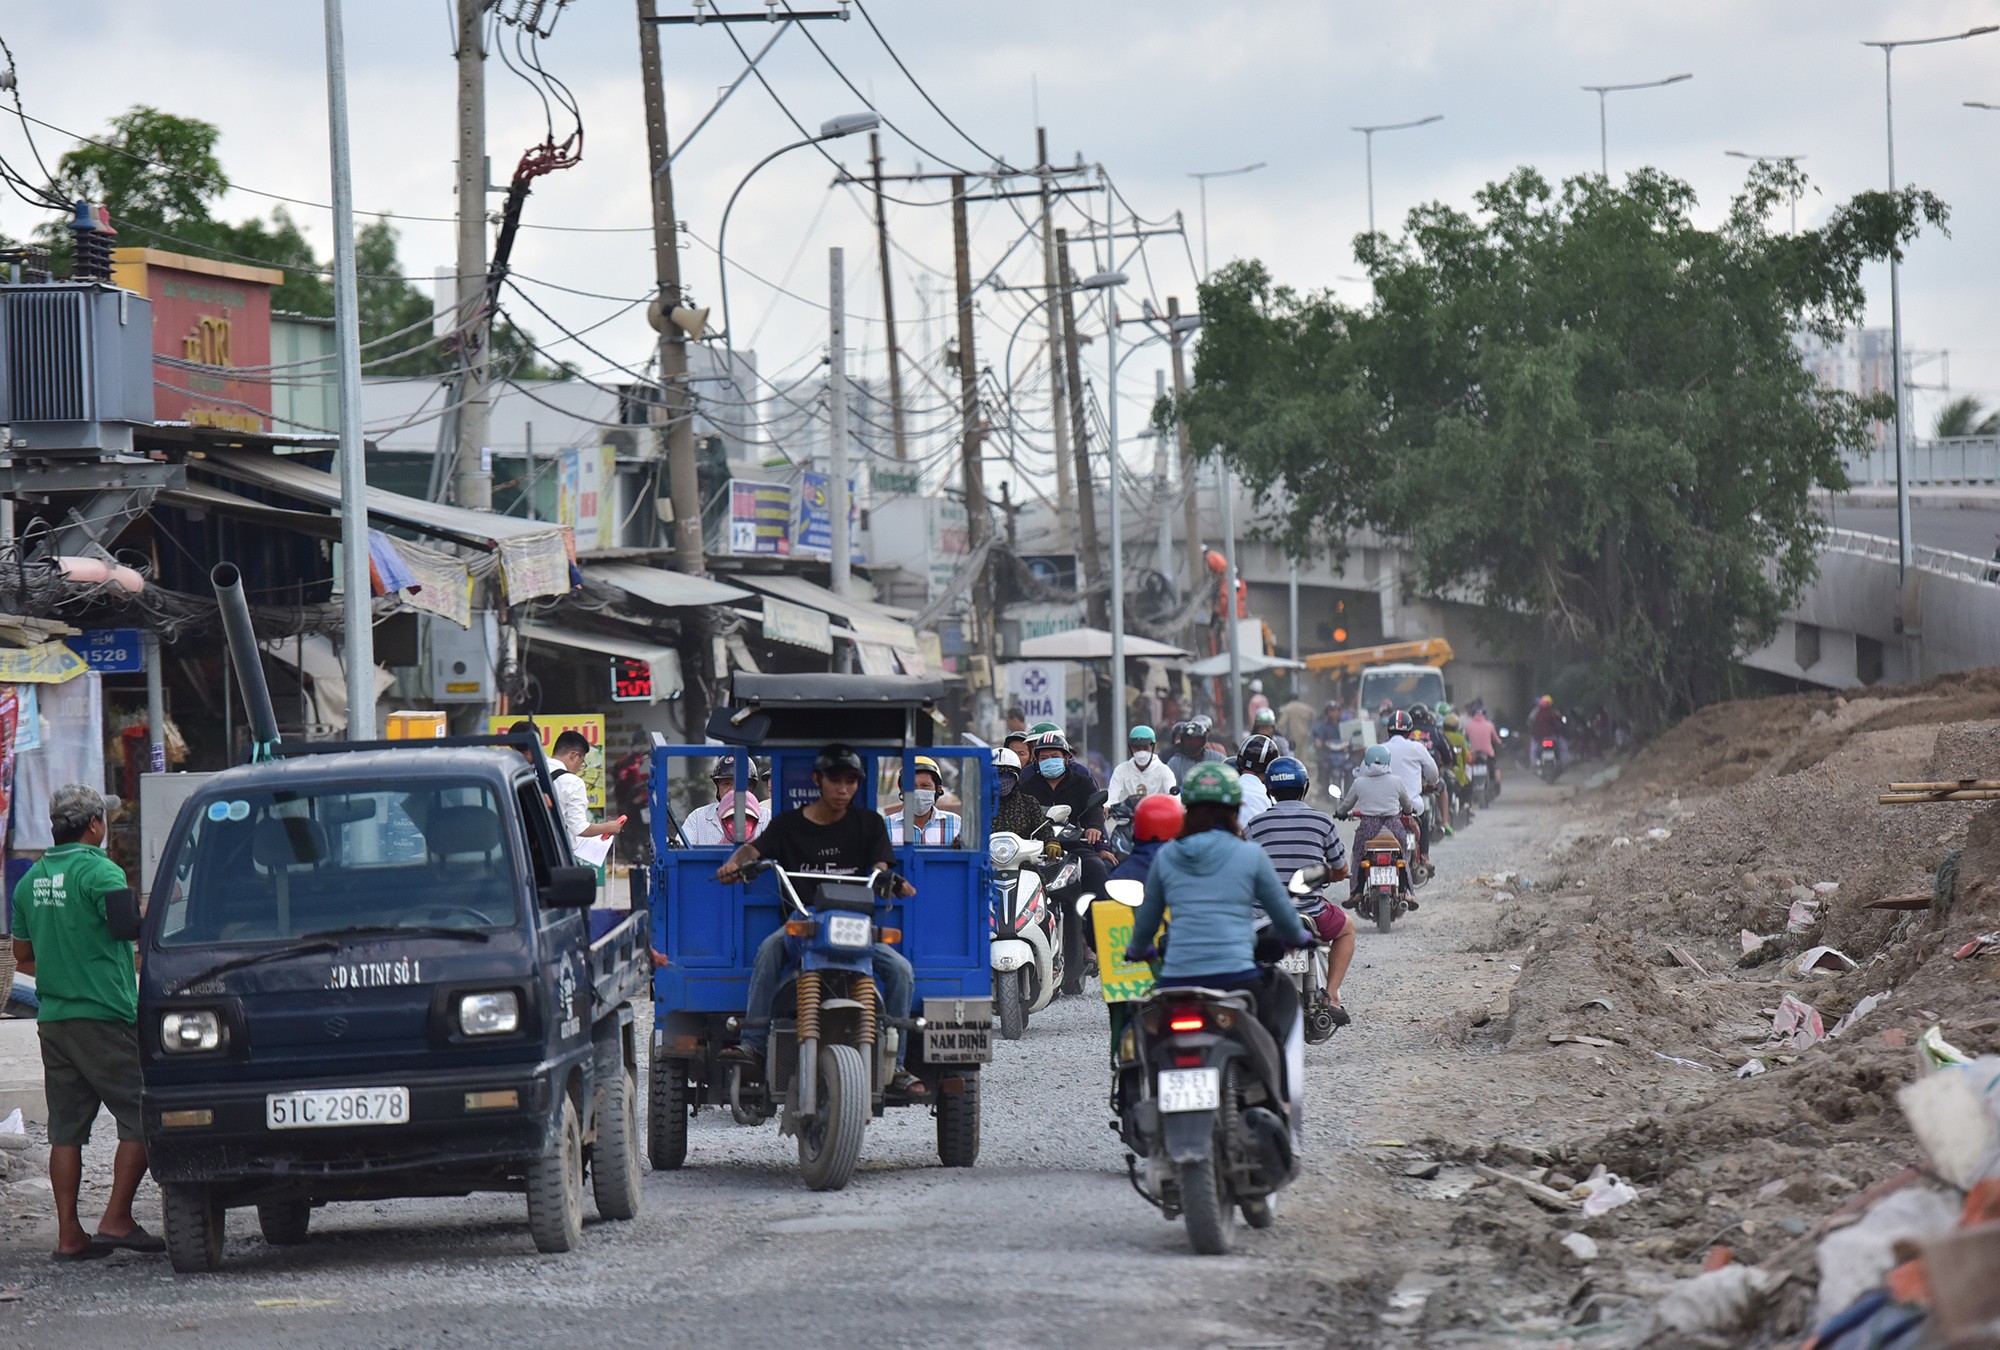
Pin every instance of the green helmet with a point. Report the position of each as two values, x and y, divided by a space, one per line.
1042 729
1443 707
1212 783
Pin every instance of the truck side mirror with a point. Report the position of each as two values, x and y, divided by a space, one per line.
570 888
121 913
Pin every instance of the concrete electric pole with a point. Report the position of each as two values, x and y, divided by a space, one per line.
1058 399
1089 564
840 553
472 471
888 303
1190 482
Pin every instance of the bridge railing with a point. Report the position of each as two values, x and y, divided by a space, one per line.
1947 461
1944 561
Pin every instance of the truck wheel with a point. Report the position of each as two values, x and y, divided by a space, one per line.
193 1217
614 1158
958 1124
1012 1004
667 1115
830 1143
284 1224
555 1187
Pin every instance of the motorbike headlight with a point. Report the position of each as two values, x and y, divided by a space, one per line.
187 1033
1071 870
493 1014
1003 849
846 930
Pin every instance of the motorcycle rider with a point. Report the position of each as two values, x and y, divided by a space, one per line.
1547 725
1191 747
1143 774
1256 756
1296 835
1018 813
1213 879
1417 771
1381 801
1482 738
1265 723
1155 824
1060 781
1453 732
1427 733
826 836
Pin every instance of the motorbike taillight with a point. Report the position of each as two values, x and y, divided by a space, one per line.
1185 1019
1385 860
1548 745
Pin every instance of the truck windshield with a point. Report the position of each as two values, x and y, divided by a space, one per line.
1401 687
269 866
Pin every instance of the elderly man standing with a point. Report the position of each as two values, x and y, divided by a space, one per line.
89 1030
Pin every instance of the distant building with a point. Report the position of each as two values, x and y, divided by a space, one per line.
1859 363
800 428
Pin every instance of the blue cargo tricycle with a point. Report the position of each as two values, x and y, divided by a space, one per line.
831 1055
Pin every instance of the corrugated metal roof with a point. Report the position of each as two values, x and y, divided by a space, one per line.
658 586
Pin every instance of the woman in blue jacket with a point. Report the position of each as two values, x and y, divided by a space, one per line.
1214 880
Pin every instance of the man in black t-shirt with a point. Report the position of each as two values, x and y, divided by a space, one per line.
826 836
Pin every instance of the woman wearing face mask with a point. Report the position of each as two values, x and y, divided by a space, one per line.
1018 813
920 820
1144 774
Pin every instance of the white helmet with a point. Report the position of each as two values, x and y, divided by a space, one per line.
1004 758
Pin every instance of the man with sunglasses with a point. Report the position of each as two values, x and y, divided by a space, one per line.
828 836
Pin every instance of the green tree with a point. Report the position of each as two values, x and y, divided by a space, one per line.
1573 404
1960 417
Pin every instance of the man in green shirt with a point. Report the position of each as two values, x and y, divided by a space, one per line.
89 1031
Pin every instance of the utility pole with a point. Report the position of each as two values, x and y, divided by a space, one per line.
840 551
1190 482
1161 490
978 526
888 302
697 651
1225 488
1087 562
1058 405
472 473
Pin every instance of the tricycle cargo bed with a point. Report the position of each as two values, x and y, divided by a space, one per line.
621 963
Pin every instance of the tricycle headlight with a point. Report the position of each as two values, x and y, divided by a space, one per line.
1003 850
184 1033
493 1014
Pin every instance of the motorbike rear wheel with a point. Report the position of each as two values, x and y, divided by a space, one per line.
1385 910
1010 1000
830 1143
1206 1207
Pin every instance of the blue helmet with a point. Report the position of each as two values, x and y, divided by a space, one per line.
1286 772
1375 754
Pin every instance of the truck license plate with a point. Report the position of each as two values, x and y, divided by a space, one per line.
1294 963
1189 1090
1381 876
337 1108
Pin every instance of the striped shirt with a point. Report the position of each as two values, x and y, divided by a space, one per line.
942 828
1295 835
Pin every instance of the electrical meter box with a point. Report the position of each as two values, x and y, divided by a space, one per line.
463 659
416 726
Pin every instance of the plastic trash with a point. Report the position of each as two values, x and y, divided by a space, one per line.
1825 888
13 1133
1854 1259
1580 1245
1718 1301
1856 1013
1824 959
1798 1021
1955 1114
1939 1052
1752 1068
1658 833
1802 915
1603 1191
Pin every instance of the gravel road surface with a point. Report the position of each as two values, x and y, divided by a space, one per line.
1042 1243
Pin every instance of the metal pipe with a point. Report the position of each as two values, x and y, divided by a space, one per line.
156 704
249 663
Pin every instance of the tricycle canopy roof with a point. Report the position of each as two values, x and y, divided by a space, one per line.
819 709
821 690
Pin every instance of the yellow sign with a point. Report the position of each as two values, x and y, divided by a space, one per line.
48 663
588 725
1122 980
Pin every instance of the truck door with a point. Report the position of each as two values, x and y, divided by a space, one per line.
566 989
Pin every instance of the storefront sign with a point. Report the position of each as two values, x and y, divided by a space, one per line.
115 651
46 663
631 681
801 627
584 478
812 519
760 519
216 315
1038 688
589 725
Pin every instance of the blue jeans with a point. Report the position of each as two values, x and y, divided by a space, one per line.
893 974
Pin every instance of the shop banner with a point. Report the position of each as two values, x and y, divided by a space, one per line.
760 518
1038 687
552 725
812 518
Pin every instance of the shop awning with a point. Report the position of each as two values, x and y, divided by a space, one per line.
1091 644
1247 662
533 558
663 662
880 624
658 586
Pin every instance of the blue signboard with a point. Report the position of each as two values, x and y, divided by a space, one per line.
112 651
812 518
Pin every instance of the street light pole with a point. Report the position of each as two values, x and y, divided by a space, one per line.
1603 141
359 637
1202 179
1368 135
1904 542
1787 160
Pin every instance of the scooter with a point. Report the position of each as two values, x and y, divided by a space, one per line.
1202 1101
1548 760
1027 947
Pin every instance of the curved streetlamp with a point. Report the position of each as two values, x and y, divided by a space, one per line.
1603 142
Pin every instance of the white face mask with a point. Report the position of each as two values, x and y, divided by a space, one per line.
920 801
1141 758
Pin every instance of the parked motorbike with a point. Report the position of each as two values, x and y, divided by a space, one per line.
1384 891
1202 1100
1548 760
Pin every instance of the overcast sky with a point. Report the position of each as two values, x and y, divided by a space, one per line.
1152 91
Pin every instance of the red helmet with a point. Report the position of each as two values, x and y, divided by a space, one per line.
1158 817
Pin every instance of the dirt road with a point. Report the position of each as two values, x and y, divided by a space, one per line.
1043 1243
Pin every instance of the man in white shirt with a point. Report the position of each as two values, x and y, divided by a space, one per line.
710 825
1412 763
1144 774
572 794
920 814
